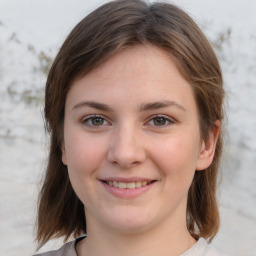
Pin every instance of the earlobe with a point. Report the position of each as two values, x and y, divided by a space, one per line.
63 150
208 148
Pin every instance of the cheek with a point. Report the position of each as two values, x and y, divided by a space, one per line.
176 158
84 153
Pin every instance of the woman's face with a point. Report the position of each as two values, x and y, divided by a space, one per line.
132 141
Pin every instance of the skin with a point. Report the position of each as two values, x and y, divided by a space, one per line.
131 137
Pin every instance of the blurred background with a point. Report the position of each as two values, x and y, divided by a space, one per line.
31 32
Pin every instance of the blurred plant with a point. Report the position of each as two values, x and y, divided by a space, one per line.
221 41
45 62
33 97
14 38
28 96
33 91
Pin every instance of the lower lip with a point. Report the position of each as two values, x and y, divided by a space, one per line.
126 192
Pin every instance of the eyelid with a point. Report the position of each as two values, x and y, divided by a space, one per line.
168 118
89 117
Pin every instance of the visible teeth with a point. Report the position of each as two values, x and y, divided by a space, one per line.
143 183
121 185
128 185
138 184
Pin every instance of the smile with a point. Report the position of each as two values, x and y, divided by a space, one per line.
128 188
128 185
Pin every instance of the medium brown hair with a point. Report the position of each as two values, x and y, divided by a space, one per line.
107 30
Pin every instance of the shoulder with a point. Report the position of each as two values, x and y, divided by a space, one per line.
67 249
212 251
202 248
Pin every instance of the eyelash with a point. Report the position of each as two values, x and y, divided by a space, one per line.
88 121
163 117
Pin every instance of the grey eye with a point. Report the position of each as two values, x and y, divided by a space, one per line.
159 121
94 121
97 121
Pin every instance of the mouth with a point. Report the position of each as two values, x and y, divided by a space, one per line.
128 185
128 188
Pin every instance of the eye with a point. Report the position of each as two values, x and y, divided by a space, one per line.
94 121
160 121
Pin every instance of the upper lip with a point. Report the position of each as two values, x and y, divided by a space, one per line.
126 179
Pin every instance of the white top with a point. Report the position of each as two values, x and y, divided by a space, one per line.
200 248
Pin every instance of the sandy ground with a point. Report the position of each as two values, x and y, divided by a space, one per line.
30 34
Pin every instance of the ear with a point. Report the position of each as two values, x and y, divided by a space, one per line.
64 156
208 148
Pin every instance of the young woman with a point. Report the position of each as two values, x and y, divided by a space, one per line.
133 105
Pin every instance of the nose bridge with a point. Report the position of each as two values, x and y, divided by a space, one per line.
126 148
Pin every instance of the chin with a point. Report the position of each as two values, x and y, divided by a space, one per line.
129 223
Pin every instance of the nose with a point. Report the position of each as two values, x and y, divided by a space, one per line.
126 148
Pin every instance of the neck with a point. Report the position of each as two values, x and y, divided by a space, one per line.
171 239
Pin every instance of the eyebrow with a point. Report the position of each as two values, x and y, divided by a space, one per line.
144 107
93 104
160 104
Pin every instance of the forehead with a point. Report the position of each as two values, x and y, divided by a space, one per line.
136 59
142 72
